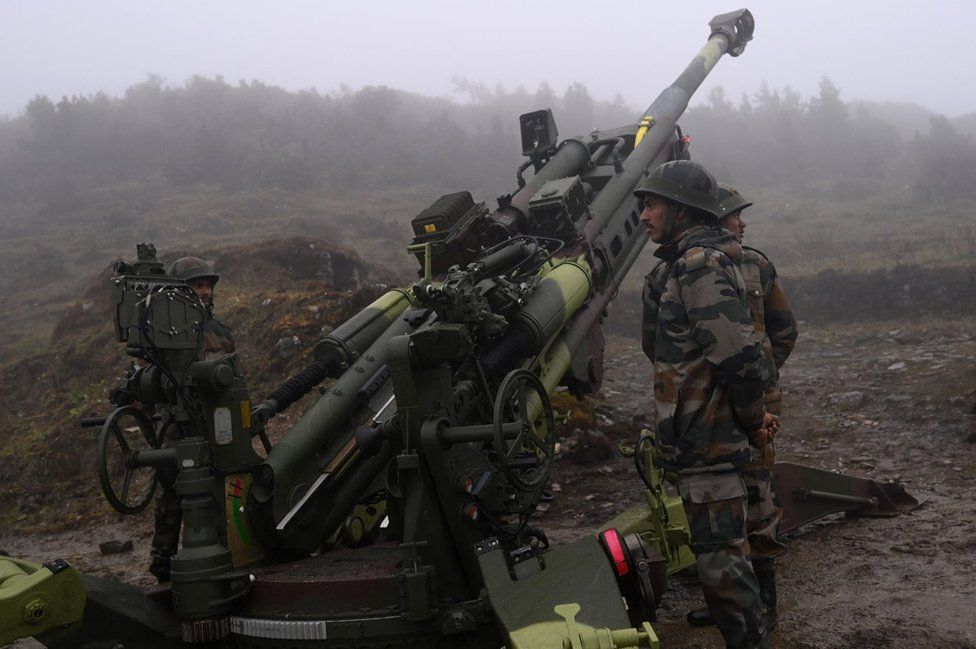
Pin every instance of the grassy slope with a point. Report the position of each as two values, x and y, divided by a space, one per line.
47 260
58 356
273 291
809 232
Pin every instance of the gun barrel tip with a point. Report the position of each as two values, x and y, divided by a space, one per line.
736 26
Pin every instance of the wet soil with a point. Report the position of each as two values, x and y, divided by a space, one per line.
882 400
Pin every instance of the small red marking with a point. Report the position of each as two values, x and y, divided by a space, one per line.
236 488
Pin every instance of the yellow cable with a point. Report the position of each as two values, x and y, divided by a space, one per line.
645 125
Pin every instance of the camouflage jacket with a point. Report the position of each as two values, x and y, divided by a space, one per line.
217 339
771 315
709 368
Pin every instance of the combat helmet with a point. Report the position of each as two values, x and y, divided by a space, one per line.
683 182
189 269
730 200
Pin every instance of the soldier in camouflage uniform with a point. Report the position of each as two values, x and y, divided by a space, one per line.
709 376
776 327
217 341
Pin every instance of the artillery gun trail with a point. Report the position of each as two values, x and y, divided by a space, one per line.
397 511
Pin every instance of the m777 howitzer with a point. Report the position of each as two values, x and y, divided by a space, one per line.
397 510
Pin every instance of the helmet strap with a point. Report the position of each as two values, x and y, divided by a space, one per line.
670 218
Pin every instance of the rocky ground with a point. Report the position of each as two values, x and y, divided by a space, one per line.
881 400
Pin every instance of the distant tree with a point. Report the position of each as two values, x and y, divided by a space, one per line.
254 135
545 96
718 102
476 91
578 112
41 114
767 101
827 106
745 106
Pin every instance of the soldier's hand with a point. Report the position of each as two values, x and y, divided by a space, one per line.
759 437
771 424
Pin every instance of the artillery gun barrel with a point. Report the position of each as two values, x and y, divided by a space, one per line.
614 225
611 210
730 32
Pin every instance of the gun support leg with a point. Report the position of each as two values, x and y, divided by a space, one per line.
204 588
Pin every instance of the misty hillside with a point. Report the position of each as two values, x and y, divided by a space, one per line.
209 163
239 137
911 119
907 118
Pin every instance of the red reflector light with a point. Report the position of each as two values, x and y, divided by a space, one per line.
614 544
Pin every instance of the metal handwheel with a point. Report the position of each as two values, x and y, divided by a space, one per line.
127 486
527 456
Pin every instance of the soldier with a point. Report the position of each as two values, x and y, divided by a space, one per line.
708 385
776 328
217 341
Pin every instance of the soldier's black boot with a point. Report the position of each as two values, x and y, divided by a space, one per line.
160 569
699 617
766 576
759 641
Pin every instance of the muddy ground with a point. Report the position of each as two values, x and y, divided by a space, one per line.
883 400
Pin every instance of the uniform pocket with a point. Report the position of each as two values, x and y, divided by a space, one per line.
712 487
715 505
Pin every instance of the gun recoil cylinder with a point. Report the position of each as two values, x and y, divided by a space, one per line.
559 294
344 345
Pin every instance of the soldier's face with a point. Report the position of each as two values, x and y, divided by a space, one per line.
204 289
654 218
735 224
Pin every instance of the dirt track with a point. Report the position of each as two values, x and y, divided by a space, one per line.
883 400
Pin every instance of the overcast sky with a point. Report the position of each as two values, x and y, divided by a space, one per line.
909 51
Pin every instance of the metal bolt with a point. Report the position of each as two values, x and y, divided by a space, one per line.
35 611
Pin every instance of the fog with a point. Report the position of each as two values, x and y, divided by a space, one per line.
906 51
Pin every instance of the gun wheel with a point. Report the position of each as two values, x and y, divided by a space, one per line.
525 452
127 486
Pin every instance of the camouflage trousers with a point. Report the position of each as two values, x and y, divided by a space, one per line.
166 532
763 511
169 513
716 508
